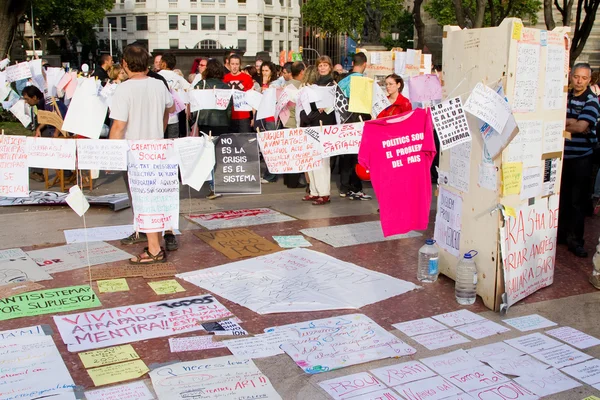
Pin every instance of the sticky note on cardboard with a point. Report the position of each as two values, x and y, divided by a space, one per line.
113 285
512 175
517 31
166 287
107 356
510 212
117 372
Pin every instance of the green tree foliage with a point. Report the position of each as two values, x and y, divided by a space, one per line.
452 12
404 25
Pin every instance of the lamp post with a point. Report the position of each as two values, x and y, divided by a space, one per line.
79 47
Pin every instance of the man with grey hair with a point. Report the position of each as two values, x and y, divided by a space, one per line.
582 116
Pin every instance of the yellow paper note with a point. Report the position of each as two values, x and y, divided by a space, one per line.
110 355
166 287
113 285
117 372
517 31
510 212
592 398
512 174
361 95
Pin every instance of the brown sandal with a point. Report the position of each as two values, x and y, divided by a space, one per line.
147 258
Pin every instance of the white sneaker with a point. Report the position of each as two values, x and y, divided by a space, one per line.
263 180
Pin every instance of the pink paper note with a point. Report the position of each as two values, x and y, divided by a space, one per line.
425 88
64 81
71 86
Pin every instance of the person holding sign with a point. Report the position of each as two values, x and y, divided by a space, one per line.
140 109
240 120
394 84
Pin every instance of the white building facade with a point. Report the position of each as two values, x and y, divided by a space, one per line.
248 25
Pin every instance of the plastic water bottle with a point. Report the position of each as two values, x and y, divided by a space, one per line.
465 288
428 262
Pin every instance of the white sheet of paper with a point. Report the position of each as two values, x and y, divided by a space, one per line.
196 160
384 394
17 266
350 386
436 388
21 111
35 66
53 77
239 218
202 100
517 366
51 153
267 104
440 339
398 374
511 390
553 136
98 252
130 391
574 337
554 95
98 234
488 106
463 396
459 176
451 362
77 201
18 72
102 154
251 347
448 220
587 372
353 234
533 342
531 183
525 147
240 102
488 177
457 318
14 178
11 334
380 100
399 63
4 63
526 78
253 98
419 326
475 378
480 330
450 123
494 351
194 343
529 322
549 382
54 259
326 96
87 110
561 356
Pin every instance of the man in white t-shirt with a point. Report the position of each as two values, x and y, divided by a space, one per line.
139 110
178 85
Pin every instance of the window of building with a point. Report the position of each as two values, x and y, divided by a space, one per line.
222 23
281 25
173 22
101 26
241 1
269 2
207 22
281 45
209 44
172 1
289 46
123 23
282 3
143 42
268 45
241 23
207 1
173 43
268 24
123 44
194 22
112 21
242 45
141 22
140 1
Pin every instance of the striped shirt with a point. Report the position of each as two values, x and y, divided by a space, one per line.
584 107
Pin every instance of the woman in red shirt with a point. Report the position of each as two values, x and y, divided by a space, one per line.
394 85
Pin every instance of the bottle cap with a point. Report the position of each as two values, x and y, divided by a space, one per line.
471 254
431 241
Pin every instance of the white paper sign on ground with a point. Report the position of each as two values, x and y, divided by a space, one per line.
494 351
574 337
529 322
459 175
16 266
350 386
448 223
220 377
480 330
11 334
533 342
51 153
487 105
196 160
517 366
87 110
34 369
398 374
587 372
54 259
194 343
419 326
251 347
384 394
297 280
459 317
561 356
450 123
14 173
340 342
434 388
98 234
237 218
463 396
440 339
451 362
508 390
129 391
96 252
102 154
292 241
108 327
475 378
353 234
547 383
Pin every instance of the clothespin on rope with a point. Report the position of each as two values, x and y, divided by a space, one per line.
321 123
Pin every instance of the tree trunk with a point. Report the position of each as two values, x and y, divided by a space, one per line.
583 28
419 24
10 13
479 14
548 16
460 13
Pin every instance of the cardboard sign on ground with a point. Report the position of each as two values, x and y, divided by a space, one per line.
13 289
130 271
238 243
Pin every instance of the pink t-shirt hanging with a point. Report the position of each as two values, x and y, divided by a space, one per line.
398 152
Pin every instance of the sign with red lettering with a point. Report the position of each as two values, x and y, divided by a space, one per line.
127 324
353 385
528 244
398 374
431 388
154 185
505 391
288 151
14 178
476 378
341 139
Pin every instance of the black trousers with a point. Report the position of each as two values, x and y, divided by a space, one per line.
240 126
349 181
574 199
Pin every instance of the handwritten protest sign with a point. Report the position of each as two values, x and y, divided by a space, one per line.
353 385
451 362
380 100
19 267
37 330
547 382
21 110
289 151
527 77
299 280
341 139
194 343
106 155
166 287
51 118
110 355
238 243
13 289
119 325
18 72
424 88
87 110
487 105
419 326
554 95
448 221
587 372
98 234
561 356
54 259
196 160
179 381
450 123
480 330
517 365
289 242
154 185
113 285
118 372
340 342
51 153
14 178
240 103
96 252
131 271
398 374
459 317
237 169
440 339
235 218
498 350
130 391
434 388
533 343
251 347
529 322
528 244
475 378
507 390
38 369
574 337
